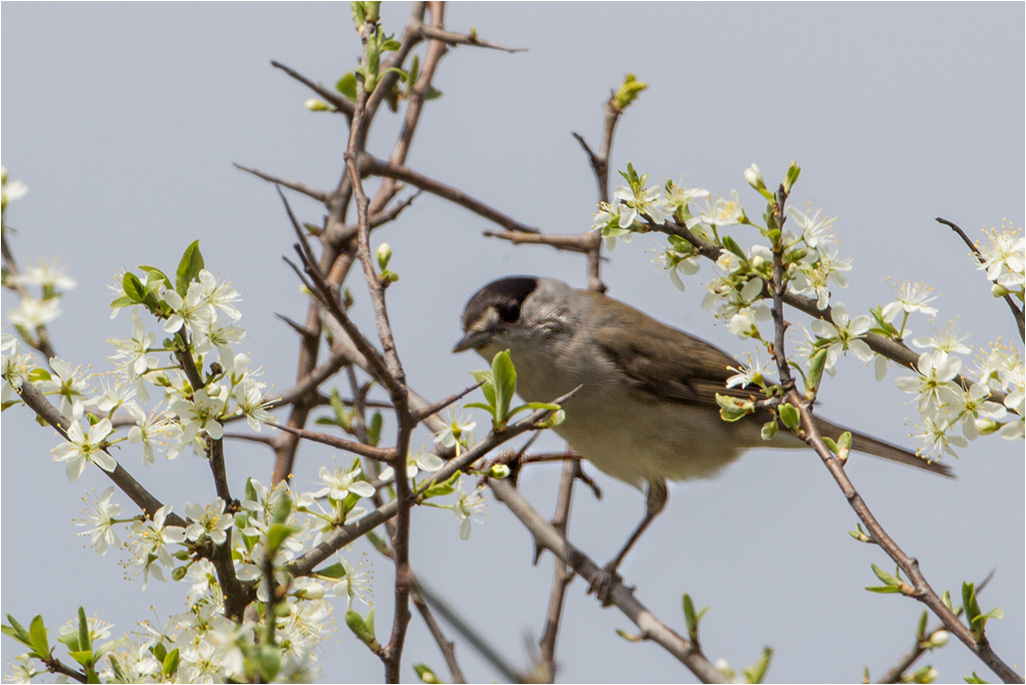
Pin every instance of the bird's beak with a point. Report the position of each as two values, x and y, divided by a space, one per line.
471 341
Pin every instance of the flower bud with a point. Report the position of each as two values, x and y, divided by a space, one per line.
311 591
315 105
938 638
998 290
384 253
754 177
498 472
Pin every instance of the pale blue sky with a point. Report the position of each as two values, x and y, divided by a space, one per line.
124 120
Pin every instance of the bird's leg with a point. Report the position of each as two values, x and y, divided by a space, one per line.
655 501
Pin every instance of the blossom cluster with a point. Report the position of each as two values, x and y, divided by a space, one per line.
988 399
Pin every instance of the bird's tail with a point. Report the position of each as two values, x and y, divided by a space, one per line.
879 448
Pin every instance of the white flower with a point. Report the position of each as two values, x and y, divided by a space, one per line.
678 264
49 277
417 462
719 212
1003 258
82 449
909 297
219 295
16 367
203 412
209 521
844 334
949 341
815 231
153 537
10 190
468 507
646 201
355 584
65 382
458 433
149 430
935 439
678 196
23 669
32 313
936 371
97 629
253 405
755 373
192 311
339 484
135 351
103 514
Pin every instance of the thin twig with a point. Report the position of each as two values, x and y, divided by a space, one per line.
446 646
453 38
620 596
561 573
302 188
369 451
334 99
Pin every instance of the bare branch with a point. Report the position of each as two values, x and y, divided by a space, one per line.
452 38
369 451
334 99
304 189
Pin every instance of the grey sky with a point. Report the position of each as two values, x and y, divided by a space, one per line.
124 119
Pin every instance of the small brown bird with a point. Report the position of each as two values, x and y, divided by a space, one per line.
646 410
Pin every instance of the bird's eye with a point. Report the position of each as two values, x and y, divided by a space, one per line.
509 312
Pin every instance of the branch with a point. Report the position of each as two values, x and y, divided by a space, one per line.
446 646
452 38
562 575
376 453
120 476
651 627
304 189
337 101
368 164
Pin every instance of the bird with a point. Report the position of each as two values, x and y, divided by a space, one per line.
645 409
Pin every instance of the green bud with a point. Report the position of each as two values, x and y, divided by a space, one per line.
628 92
315 105
998 290
179 572
769 430
789 415
498 471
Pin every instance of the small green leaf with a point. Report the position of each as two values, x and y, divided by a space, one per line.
757 671
732 245
85 642
347 86
170 665
188 268
336 571
630 637
17 631
505 384
268 661
789 415
446 487
692 618
769 430
133 287
277 533
374 428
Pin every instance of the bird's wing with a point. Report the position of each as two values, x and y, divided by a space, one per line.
666 363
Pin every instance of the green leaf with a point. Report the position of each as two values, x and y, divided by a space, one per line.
411 78
277 533
505 384
133 287
37 632
84 641
336 571
347 86
692 618
374 428
789 415
446 487
732 245
363 630
84 656
188 268
757 671
16 631
170 663
268 661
